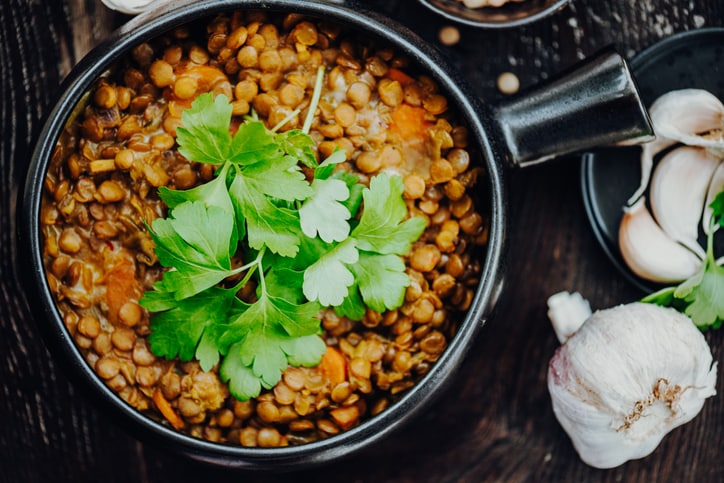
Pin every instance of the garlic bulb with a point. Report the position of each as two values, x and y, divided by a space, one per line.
626 378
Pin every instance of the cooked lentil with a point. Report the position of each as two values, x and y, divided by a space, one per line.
101 190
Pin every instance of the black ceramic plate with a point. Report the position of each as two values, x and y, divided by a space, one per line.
609 176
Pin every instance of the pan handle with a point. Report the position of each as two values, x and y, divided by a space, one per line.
596 103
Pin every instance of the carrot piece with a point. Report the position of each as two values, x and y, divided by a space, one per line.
345 416
206 75
166 410
409 121
121 286
333 366
398 75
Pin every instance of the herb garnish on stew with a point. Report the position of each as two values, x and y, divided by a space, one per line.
305 245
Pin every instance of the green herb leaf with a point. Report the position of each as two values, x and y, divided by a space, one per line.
269 330
323 213
194 241
379 229
178 330
253 143
204 134
704 292
328 279
304 351
299 145
325 170
266 223
270 311
280 178
382 280
243 383
213 193
352 307
701 297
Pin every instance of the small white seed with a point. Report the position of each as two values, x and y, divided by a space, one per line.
508 83
449 35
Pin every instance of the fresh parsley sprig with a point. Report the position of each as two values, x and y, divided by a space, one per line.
328 242
701 297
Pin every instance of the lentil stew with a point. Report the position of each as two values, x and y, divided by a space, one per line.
101 190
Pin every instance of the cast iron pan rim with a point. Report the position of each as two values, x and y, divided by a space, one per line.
502 24
150 25
648 56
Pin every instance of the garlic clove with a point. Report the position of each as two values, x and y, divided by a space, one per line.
715 187
681 116
684 114
630 375
649 252
130 7
678 190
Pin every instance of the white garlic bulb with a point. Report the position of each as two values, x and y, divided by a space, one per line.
626 378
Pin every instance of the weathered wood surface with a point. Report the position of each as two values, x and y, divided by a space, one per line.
496 423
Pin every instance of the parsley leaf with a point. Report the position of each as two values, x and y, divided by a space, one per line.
176 331
328 279
204 135
352 307
194 242
213 193
379 229
262 336
252 143
325 170
299 145
701 297
323 213
382 280
279 179
266 223
704 292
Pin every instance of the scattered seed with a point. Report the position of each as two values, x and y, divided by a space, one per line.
508 83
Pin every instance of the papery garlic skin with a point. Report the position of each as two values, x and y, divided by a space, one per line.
630 375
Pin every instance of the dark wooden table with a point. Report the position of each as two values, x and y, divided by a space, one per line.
496 424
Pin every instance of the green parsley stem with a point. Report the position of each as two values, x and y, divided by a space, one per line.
315 100
254 264
286 120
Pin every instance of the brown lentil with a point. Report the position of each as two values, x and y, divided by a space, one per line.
101 190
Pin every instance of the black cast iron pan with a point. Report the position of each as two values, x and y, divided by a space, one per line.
597 104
